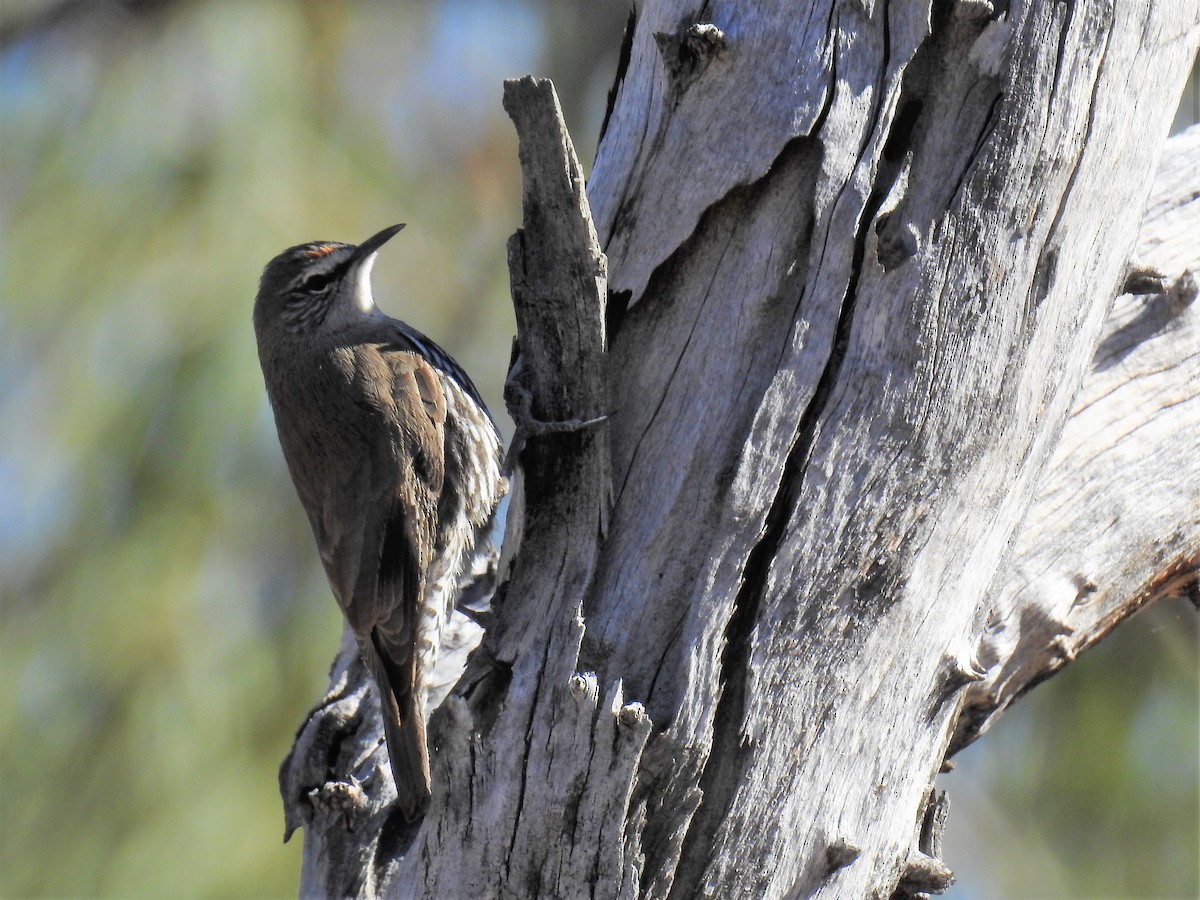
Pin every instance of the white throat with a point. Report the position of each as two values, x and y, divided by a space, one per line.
364 300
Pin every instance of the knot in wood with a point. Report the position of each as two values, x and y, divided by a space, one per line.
924 875
840 854
631 715
688 52
582 685
340 796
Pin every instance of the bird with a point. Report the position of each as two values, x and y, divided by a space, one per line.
396 461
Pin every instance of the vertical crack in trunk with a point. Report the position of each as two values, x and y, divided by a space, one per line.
722 774
730 753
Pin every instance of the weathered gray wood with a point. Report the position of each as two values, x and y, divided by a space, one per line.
336 785
869 257
678 139
1116 522
815 573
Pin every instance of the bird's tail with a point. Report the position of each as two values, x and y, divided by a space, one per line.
402 699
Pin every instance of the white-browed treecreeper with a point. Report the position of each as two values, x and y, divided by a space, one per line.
397 464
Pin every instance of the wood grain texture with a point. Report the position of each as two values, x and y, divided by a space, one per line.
532 748
1116 520
688 112
947 268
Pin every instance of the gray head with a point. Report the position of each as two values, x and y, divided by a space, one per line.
322 283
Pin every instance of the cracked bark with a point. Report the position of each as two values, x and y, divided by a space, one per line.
877 459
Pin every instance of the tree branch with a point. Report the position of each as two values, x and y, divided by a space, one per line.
1116 522
524 682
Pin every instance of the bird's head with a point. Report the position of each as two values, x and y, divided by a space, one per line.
318 285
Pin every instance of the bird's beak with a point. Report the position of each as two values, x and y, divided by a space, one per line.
361 264
372 244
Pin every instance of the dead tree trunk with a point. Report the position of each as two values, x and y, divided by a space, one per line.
882 451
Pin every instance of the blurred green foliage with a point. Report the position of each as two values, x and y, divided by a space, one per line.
165 621
1088 787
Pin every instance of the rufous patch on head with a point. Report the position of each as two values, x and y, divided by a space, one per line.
320 250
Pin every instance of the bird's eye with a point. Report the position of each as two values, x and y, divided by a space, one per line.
315 282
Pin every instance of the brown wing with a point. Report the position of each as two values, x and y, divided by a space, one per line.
416 457
366 455
406 549
364 441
